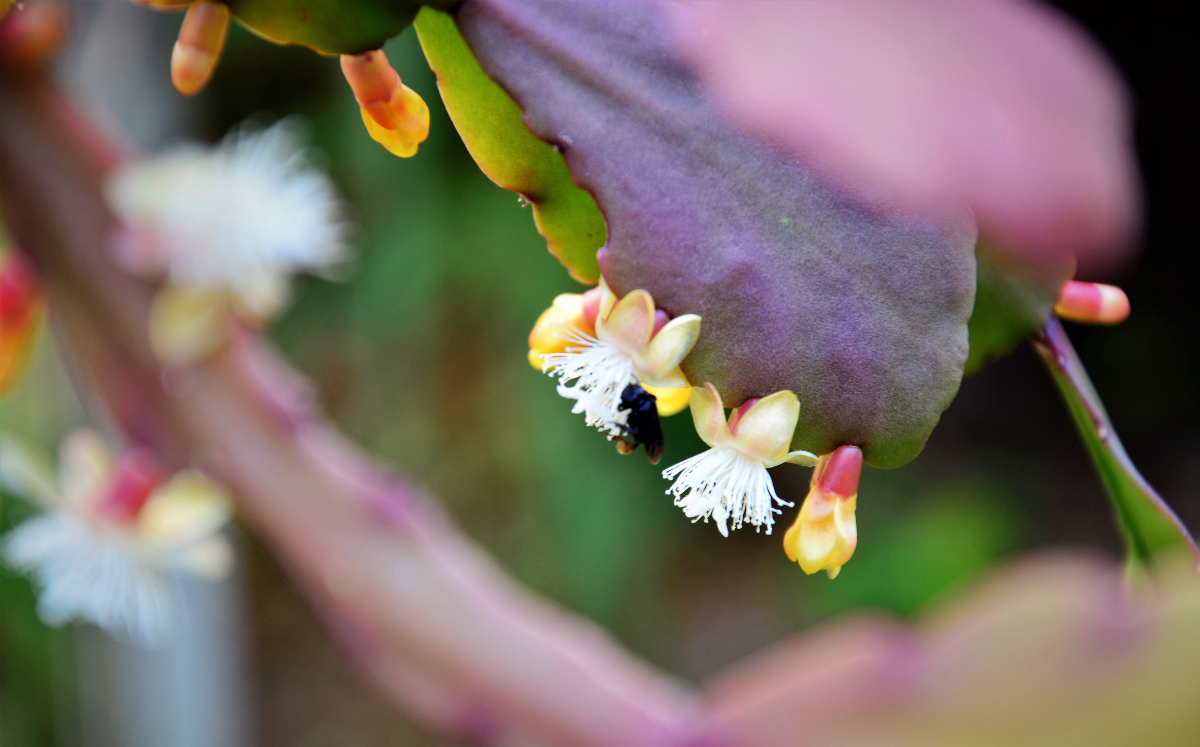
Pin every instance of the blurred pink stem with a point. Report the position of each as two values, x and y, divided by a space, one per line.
415 603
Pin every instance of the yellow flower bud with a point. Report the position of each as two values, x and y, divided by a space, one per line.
396 116
825 533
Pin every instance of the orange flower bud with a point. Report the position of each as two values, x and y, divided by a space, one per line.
825 533
198 49
396 117
1092 303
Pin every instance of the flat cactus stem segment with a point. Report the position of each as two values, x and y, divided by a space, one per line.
859 308
1151 529
329 26
1014 298
491 127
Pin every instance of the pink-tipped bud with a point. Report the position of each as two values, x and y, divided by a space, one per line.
18 290
137 474
826 533
198 49
395 116
839 473
1092 303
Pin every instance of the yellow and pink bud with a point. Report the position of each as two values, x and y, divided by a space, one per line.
825 533
198 49
1092 303
396 117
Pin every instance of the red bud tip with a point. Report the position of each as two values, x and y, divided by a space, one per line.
137 475
18 289
1092 303
840 474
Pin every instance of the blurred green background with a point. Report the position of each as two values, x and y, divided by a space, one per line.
419 354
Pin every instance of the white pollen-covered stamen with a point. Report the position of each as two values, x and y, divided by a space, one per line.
726 485
600 373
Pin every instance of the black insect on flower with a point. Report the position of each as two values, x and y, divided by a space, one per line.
642 426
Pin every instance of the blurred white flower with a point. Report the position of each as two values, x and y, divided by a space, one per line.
225 226
110 534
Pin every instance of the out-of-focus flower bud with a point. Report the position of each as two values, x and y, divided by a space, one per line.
395 115
1092 303
31 34
4 6
825 533
20 304
730 482
198 49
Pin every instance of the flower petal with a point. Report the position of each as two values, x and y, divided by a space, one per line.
546 337
669 347
708 413
670 400
28 473
187 508
210 559
185 324
803 458
85 464
630 323
765 430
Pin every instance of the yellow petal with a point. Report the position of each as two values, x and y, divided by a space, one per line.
803 458
547 335
28 473
210 559
607 299
668 348
629 325
765 429
395 141
85 464
186 325
708 414
187 508
670 400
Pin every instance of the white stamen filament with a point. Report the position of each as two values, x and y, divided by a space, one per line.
600 372
728 486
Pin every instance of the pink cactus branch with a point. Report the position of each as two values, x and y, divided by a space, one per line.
419 607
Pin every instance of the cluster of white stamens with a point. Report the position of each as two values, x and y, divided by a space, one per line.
726 485
600 373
